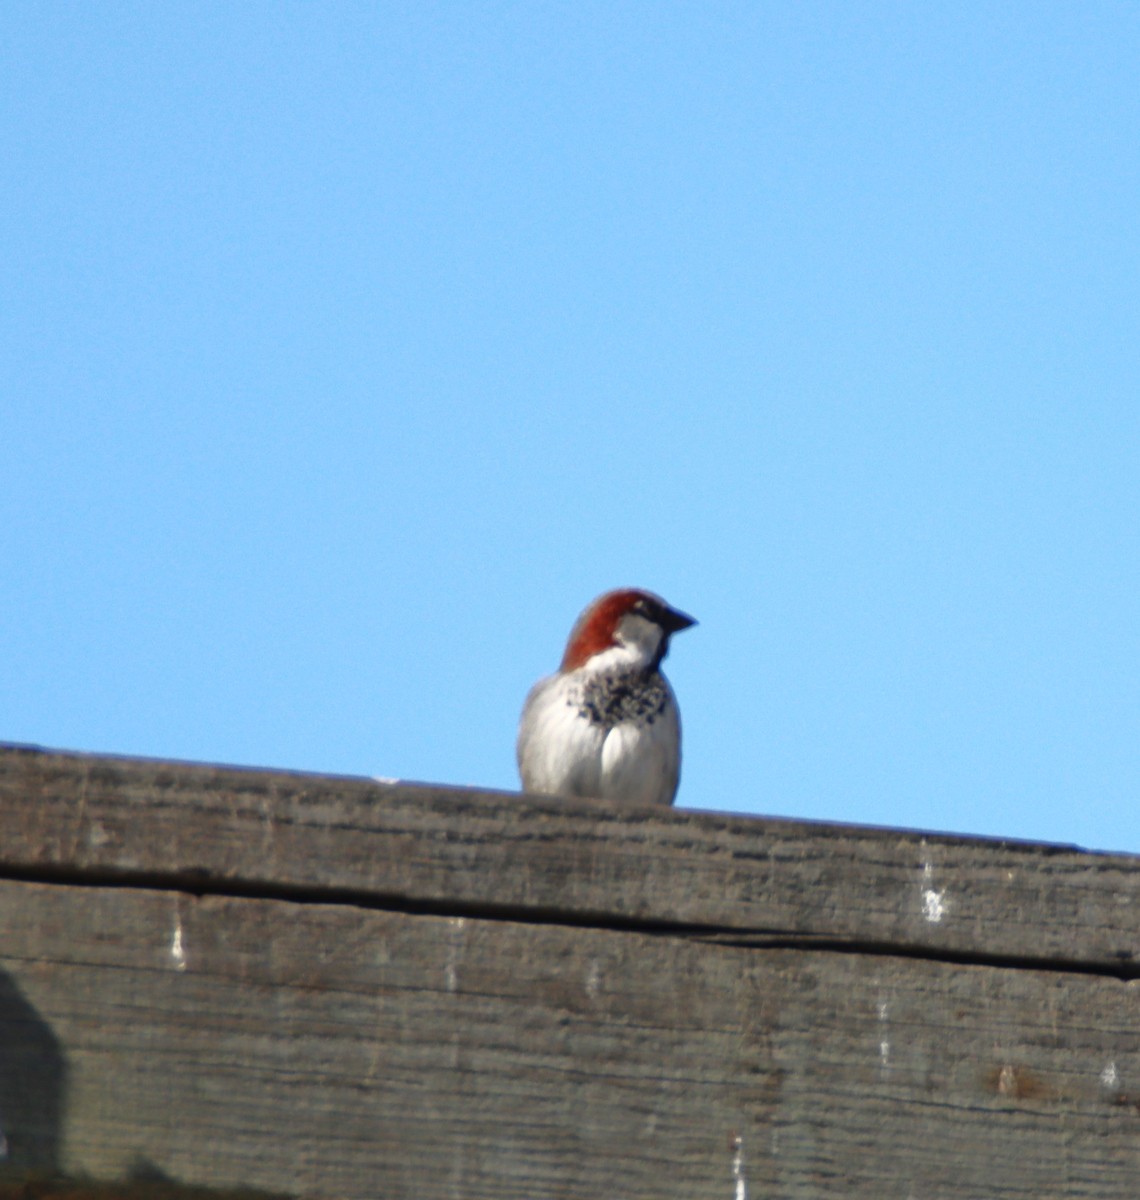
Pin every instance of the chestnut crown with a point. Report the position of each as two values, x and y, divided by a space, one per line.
626 617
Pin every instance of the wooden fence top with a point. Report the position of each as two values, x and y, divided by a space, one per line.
213 828
311 985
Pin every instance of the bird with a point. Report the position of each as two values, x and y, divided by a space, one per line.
607 725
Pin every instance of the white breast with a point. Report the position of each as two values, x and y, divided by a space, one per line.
562 752
641 762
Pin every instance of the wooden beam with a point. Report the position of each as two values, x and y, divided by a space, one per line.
218 828
326 1050
317 986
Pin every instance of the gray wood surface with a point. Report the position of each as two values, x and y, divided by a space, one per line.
330 1050
320 986
217 827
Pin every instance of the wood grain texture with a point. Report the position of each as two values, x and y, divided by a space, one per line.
595 863
328 1050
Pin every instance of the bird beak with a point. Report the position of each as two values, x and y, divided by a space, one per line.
673 620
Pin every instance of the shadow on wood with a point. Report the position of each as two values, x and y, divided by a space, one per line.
32 1083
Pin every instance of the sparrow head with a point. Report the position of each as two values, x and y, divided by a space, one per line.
636 623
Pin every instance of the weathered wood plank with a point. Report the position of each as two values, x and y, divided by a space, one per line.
327 1050
582 860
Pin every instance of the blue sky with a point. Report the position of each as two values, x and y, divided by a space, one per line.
348 350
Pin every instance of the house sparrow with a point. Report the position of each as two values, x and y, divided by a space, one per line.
607 724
